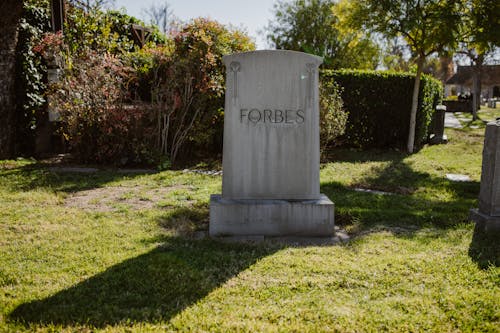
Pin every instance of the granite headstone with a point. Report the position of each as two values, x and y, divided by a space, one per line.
488 214
270 182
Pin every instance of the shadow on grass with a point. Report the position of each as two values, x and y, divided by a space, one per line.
158 285
33 176
485 247
152 287
414 202
356 155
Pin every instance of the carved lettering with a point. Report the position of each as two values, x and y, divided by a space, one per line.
257 116
300 117
243 114
278 113
273 116
267 115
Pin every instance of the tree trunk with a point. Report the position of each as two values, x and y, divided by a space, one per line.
414 105
9 21
476 85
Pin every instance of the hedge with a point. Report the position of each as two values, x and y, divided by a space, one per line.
379 105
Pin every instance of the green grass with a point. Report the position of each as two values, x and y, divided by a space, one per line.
485 114
105 264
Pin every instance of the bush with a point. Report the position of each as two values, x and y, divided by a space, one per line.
379 105
95 121
333 117
184 82
133 107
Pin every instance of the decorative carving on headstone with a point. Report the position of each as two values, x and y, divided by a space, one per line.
235 68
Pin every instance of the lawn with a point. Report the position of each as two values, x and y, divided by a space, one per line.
119 251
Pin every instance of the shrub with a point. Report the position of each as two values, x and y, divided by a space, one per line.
379 106
199 48
185 84
333 117
104 31
96 123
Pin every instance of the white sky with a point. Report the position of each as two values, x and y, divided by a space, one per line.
252 15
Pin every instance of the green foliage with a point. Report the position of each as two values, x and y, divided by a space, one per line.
199 47
314 26
31 70
185 84
426 26
333 117
103 31
379 104
480 29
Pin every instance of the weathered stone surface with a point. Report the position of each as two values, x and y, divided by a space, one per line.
271 126
271 217
487 217
486 223
489 194
270 183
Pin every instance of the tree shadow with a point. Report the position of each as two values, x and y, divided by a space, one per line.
485 247
159 284
407 203
33 176
358 155
152 287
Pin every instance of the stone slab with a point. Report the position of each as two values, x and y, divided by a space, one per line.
489 193
261 217
485 222
271 126
456 177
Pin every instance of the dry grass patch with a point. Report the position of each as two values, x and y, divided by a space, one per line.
109 198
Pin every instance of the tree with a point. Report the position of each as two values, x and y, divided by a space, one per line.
313 26
427 27
9 20
159 15
480 36
91 5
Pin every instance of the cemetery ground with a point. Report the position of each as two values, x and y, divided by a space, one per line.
111 251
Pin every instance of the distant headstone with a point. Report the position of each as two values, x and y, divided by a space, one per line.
438 136
488 214
270 184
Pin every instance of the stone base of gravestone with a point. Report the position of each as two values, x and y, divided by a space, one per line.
308 218
488 214
484 222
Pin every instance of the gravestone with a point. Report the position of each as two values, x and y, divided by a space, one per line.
270 184
438 136
488 214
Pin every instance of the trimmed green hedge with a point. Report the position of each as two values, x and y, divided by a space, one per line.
379 105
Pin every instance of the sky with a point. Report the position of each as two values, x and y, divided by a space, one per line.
252 15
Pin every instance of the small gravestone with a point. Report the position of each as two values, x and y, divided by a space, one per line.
270 184
488 214
438 136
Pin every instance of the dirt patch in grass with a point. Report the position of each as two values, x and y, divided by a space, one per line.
105 199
